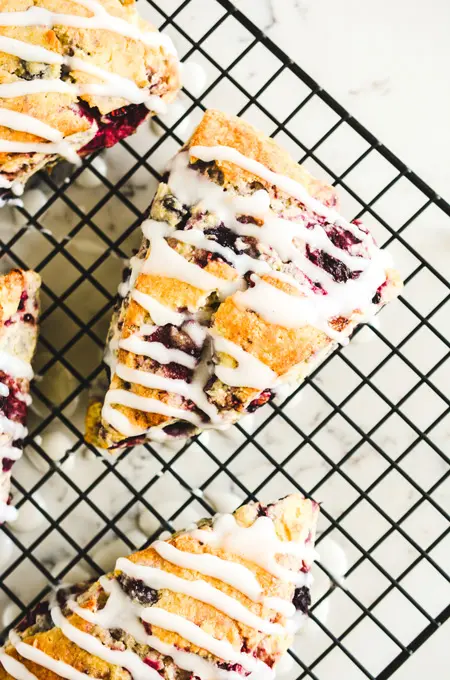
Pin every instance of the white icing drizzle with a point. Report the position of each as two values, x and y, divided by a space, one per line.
120 607
12 452
196 332
195 634
7 512
199 590
146 404
250 372
165 261
153 381
193 391
101 19
286 184
279 233
127 658
27 51
45 660
16 430
242 262
280 308
60 148
15 367
119 420
113 85
11 430
20 121
159 313
283 606
17 188
14 668
257 543
156 351
233 573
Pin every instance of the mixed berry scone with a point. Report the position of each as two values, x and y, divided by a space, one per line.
247 277
220 601
75 76
19 308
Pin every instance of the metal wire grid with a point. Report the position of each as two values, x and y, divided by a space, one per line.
339 644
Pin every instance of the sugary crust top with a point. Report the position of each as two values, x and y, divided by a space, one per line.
294 519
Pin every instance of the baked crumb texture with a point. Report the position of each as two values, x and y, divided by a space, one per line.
76 76
229 613
19 310
246 279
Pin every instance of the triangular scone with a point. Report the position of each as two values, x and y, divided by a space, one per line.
247 277
76 76
214 602
19 309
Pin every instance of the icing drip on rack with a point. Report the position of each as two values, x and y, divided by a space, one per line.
112 85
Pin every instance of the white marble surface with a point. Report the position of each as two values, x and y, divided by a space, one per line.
362 67
386 62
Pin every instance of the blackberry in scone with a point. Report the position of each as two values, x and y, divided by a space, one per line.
246 279
75 76
216 602
19 309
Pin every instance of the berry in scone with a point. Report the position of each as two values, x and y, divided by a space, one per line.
19 310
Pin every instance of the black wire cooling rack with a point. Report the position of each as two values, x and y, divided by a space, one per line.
369 436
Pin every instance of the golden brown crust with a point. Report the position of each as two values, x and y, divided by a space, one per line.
277 347
145 65
294 519
218 129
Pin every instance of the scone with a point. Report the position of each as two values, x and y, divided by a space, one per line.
246 279
75 76
19 309
217 602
